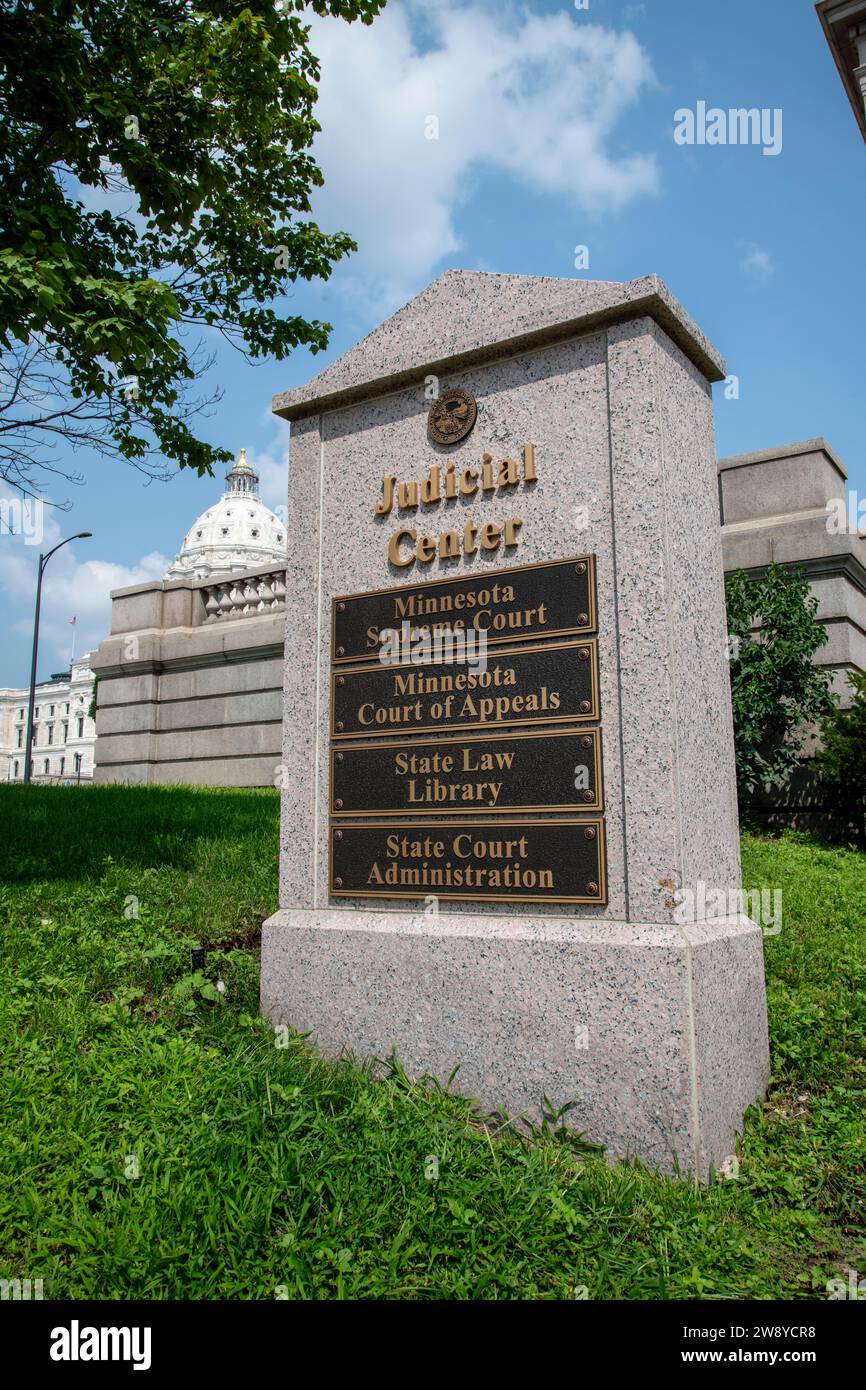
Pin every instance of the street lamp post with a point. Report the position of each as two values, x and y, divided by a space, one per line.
43 561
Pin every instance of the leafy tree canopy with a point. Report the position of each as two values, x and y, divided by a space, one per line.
777 693
203 113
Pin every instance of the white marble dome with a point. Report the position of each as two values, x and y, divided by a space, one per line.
238 533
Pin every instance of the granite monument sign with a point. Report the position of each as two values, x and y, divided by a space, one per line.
508 749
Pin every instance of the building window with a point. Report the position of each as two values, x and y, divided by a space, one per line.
21 714
51 710
15 769
35 738
65 728
20 738
81 728
50 733
62 766
66 710
77 762
45 766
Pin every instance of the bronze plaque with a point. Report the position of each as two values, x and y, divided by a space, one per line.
551 771
471 861
552 684
553 599
451 416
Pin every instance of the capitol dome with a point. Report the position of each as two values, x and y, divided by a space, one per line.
238 533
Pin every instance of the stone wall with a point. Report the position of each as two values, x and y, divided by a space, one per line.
190 682
774 507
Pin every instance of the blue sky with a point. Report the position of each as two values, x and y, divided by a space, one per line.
556 129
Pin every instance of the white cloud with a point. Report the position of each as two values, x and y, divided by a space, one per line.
755 259
74 586
538 98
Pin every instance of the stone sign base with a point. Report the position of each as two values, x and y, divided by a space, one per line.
656 1033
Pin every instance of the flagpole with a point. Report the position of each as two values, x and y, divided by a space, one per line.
72 653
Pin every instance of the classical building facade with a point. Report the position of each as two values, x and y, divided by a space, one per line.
190 679
64 735
844 25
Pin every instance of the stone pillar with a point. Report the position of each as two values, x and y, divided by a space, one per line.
645 1009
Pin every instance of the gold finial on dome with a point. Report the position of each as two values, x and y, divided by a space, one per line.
242 477
241 468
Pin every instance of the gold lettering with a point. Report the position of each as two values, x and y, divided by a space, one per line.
468 482
508 475
384 505
402 562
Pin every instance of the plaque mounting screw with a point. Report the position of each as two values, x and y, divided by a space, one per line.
341 680
339 757
341 607
585 707
587 796
583 654
338 834
581 568
583 619
339 723
588 834
585 742
592 888
341 651
338 883
338 803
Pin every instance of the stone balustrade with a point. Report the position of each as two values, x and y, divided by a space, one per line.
244 596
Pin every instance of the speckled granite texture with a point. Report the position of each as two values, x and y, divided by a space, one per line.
651 1031
611 384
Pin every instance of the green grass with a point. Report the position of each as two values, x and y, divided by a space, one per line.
264 1171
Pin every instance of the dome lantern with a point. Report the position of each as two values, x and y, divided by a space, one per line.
242 479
